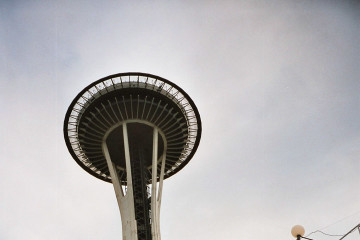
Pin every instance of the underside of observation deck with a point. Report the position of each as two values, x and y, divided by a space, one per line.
119 105
139 99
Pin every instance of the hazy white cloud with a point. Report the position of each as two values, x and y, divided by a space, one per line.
277 86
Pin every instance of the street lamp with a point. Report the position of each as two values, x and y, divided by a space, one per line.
298 231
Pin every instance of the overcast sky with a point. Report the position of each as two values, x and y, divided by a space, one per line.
277 86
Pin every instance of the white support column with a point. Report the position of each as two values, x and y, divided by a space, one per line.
159 195
154 210
161 181
125 200
156 193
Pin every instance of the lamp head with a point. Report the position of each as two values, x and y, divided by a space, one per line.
297 230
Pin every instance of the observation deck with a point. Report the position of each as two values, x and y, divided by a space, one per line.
141 101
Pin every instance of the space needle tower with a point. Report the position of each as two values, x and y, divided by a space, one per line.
133 130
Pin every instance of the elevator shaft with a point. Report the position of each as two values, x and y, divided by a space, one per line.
142 199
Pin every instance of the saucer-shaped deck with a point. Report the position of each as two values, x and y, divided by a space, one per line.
142 102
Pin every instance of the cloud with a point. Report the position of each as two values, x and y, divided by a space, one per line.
276 85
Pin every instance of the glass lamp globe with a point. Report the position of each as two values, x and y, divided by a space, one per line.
297 230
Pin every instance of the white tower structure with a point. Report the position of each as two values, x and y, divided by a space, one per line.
133 130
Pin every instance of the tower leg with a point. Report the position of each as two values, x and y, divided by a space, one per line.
156 192
127 200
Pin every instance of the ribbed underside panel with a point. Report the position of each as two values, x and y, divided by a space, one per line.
122 105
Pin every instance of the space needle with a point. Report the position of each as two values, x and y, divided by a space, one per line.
133 130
